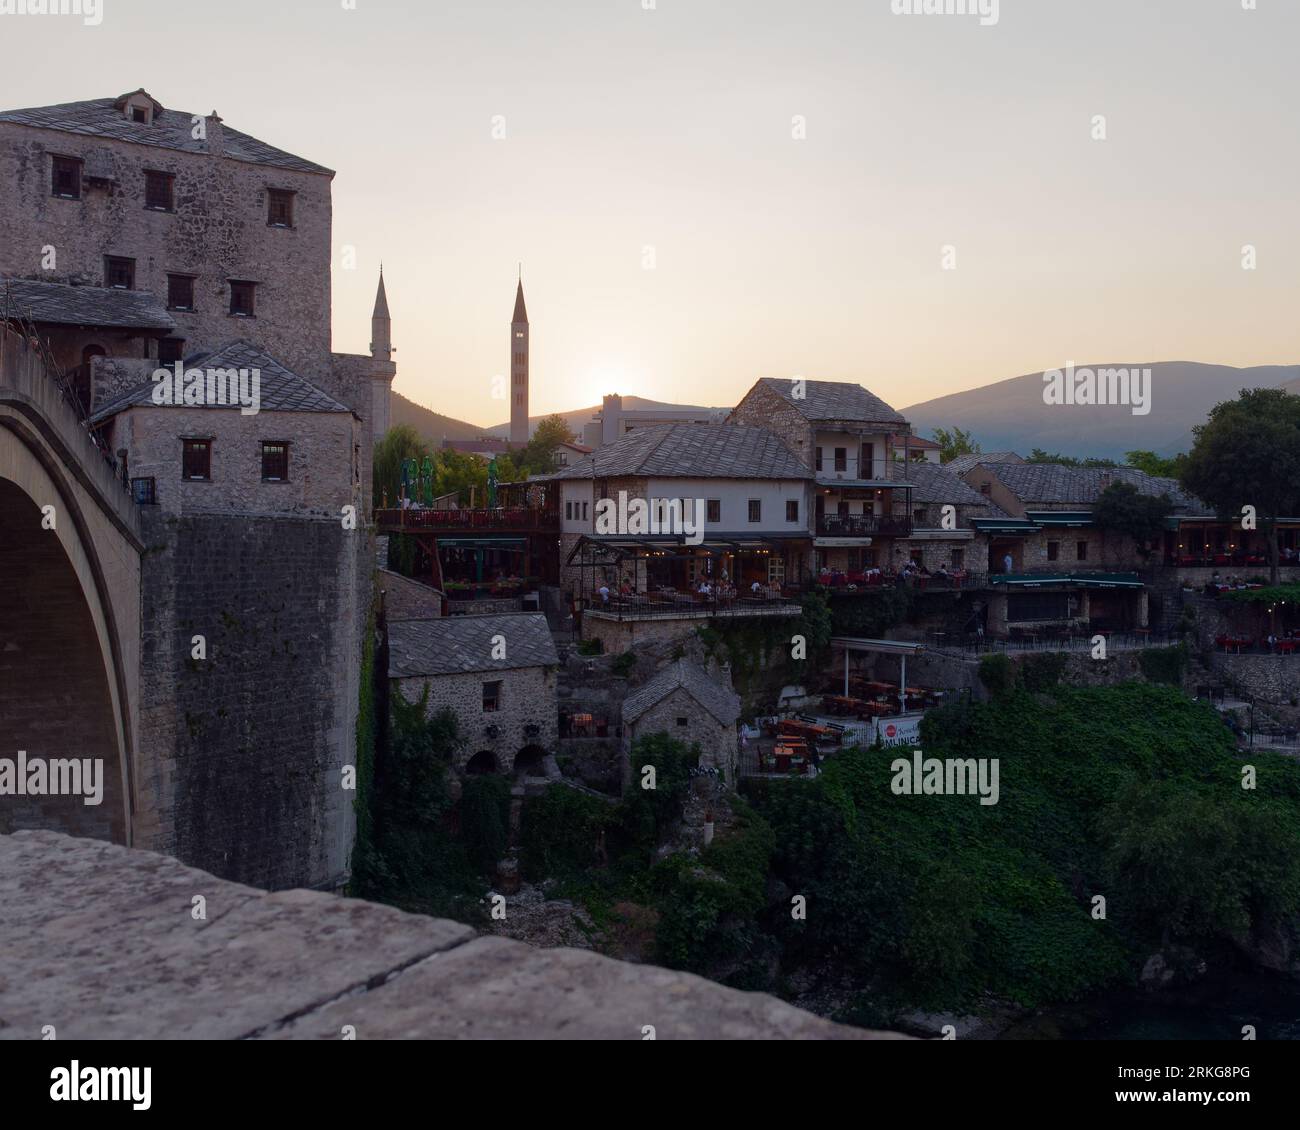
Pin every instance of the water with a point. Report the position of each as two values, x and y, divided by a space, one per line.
1211 1010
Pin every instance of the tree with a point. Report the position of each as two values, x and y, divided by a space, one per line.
1124 510
1038 455
954 443
537 457
1247 454
398 443
1155 465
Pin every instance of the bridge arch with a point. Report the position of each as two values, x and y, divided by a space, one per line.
69 617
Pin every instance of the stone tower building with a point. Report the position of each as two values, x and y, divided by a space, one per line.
381 349
133 240
519 371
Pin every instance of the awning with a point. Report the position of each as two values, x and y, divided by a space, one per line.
865 484
1070 580
887 647
1072 519
1017 526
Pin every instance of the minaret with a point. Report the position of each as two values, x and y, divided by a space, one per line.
519 370
381 325
383 370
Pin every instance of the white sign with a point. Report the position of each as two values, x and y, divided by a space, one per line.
904 729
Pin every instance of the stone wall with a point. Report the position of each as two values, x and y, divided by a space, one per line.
762 408
241 753
321 460
218 232
527 700
306 965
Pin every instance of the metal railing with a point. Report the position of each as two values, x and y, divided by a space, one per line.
499 518
863 525
682 605
967 644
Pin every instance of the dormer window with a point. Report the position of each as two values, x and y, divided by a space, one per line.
279 208
138 107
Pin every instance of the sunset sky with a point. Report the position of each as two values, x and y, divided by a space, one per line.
670 129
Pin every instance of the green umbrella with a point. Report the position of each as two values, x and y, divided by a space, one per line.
428 481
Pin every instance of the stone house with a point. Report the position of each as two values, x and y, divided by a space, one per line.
941 538
686 703
744 490
848 438
497 674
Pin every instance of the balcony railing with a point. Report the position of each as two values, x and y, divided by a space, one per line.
498 518
863 525
649 606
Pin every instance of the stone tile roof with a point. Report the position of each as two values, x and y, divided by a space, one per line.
835 400
935 483
281 390
695 451
964 463
171 129
65 305
1058 483
457 645
712 696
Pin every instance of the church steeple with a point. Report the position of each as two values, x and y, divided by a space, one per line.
381 325
519 369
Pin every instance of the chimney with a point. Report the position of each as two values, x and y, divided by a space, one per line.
216 138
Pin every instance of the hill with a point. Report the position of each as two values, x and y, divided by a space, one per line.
432 426
576 418
1010 415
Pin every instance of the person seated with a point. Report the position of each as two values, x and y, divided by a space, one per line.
756 588
625 589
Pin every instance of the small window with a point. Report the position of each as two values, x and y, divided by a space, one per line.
568 511
918 515
1081 550
242 299
139 114
275 462
958 559
986 489
66 178
180 292
196 460
584 511
171 350
119 274
841 459
491 697
279 208
158 192
144 492
1053 551
713 510
792 510
755 510
819 459
683 721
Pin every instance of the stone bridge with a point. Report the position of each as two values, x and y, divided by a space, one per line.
70 546
146 948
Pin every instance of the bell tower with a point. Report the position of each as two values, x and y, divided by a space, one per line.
519 370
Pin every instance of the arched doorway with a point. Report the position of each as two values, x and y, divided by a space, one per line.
56 705
485 761
530 762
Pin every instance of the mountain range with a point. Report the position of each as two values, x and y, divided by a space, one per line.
1009 415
